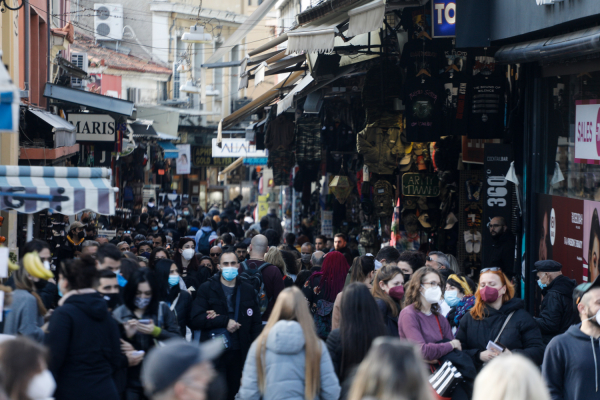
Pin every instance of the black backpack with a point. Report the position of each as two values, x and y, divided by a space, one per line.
255 279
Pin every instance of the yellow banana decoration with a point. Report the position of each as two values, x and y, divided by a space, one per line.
12 266
33 265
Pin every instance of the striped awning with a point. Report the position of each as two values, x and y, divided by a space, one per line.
67 190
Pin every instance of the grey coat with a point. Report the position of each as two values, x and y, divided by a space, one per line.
285 367
23 317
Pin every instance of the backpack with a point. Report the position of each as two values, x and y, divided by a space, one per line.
255 279
203 243
383 198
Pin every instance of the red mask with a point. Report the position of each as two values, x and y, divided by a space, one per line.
489 294
397 292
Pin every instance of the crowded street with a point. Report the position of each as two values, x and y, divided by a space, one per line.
300 199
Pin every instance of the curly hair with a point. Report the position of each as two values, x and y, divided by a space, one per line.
415 259
412 293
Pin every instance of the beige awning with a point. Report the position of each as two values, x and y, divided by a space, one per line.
230 168
366 18
288 100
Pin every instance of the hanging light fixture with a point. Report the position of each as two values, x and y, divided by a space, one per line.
189 87
341 187
183 67
196 35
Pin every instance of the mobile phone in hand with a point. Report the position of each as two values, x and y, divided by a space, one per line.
144 321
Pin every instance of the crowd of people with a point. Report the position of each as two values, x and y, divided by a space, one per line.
193 305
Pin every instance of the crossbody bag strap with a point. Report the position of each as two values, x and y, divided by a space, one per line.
504 326
237 303
439 326
175 302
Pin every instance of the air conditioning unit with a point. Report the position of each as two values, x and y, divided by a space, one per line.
81 61
134 95
108 22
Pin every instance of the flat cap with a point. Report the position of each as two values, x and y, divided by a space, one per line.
547 266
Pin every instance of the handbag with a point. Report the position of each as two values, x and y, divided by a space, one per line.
444 379
222 333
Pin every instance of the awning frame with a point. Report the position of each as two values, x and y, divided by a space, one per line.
88 99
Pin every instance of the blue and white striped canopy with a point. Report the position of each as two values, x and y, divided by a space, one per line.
67 190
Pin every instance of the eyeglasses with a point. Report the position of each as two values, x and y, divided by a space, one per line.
493 269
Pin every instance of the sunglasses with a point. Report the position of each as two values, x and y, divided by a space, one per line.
494 269
215 254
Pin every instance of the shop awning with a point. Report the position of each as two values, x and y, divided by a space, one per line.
275 42
288 100
237 163
56 122
88 99
143 130
366 18
67 190
317 39
261 101
170 149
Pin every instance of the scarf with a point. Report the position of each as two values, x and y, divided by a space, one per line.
463 307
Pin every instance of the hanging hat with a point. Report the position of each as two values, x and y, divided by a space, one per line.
424 220
450 221
409 203
422 203
408 148
406 160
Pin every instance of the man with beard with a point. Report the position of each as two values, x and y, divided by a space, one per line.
571 363
503 247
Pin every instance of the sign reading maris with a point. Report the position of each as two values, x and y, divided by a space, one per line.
94 127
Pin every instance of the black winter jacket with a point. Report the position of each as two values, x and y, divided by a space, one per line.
182 310
557 312
212 297
85 351
521 335
391 322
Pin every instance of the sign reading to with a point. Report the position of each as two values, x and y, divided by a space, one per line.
443 18
587 131
202 157
94 127
236 148
416 184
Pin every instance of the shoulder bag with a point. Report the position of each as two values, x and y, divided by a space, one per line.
222 333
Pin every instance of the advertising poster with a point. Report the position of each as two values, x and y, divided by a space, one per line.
327 223
561 234
184 159
587 136
591 239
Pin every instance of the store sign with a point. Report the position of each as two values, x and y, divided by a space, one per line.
236 148
94 127
444 18
416 184
587 131
497 192
202 157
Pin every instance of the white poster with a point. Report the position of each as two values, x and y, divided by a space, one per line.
236 148
184 159
587 131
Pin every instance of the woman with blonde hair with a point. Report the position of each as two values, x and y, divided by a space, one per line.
510 377
275 257
288 360
499 317
392 370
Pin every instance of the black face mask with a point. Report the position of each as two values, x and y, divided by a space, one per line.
81 235
113 300
406 278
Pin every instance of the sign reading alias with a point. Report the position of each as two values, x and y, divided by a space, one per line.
236 148
443 18
587 131
94 127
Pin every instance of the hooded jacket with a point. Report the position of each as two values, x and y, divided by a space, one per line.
557 312
572 366
521 335
285 362
382 149
83 340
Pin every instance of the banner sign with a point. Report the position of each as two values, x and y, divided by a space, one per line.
587 131
93 127
417 184
202 157
236 148
256 161
497 193
443 18
184 159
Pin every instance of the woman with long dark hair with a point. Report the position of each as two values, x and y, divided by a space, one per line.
388 291
158 253
187 264
179 301
144 321
322 288
361 323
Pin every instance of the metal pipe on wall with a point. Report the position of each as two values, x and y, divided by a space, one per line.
26 40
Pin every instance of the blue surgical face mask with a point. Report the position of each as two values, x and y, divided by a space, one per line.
121 281
142 302
173 280
229 273
541 285
155 228
451 297
186 213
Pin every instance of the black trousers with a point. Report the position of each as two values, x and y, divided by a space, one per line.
231 364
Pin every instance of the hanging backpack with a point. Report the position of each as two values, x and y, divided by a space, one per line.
203 243
383 198
254 277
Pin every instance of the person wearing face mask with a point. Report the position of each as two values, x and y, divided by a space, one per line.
108 286
144 321
409 262
459 297
571 365
188 266
81 334
306 252
25 372
363 271
556 313
495 307
226 308
72 246
421 322
388 291
145 249
179 301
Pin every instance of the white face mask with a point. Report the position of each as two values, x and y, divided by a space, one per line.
188 254
433 294
41 386
597 316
